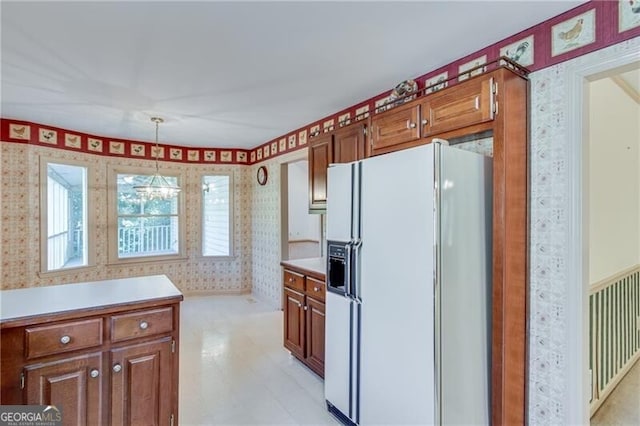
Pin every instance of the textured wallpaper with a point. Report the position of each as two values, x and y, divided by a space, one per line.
20 233
265 230
550 239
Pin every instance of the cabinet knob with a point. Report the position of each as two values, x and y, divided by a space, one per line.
299 305
411 125
290 279
425 121
144 325
117 368
94 373
65 340
316 289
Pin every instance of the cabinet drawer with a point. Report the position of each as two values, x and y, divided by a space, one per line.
64 337
141 324
294 280
315 288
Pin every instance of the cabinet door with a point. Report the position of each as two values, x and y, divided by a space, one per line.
320 155
394 129
349 143
465 104
142 383
294 322
70 385
315 335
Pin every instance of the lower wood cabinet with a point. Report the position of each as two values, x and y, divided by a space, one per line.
141 383
119 367
314 336
74 384
294 319
304 321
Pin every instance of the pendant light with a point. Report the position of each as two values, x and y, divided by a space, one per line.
157 186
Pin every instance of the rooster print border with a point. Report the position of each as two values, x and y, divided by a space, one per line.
573 33
628 14
520 51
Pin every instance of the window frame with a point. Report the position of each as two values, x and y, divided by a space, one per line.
231 254
112 216
44 216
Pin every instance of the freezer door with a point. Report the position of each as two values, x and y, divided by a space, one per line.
396 287
340 341
340 187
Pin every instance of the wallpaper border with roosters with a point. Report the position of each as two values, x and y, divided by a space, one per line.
584 29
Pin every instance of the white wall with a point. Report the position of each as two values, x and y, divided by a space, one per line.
614 180
302 225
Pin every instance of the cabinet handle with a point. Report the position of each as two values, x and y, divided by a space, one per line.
65 340
305 307
411 125
316 289
299 305
94 373
144 325
425 121
117 368
291 279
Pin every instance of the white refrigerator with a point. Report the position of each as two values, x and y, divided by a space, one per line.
408 304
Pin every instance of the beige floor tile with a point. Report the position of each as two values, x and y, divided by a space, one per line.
235 371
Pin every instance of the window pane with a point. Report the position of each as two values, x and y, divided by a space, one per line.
147 236
66 216
130 203
216 218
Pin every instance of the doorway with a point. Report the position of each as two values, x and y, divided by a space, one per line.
573 119
302 232
612 188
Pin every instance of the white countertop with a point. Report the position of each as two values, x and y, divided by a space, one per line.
20 303
314 264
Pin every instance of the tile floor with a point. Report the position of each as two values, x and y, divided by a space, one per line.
623 405
235 371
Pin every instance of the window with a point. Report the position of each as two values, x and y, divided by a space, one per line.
217 228
145 227
64 219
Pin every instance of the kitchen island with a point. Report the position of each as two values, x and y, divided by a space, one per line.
106 352
303 304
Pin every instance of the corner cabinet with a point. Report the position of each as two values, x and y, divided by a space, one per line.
304 317
102 365
320 156
340 146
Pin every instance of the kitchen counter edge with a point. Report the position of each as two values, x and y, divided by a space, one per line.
313 266
19 305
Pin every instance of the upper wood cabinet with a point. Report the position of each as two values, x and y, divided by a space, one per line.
320 155
349 143
395 129
465 104
341 146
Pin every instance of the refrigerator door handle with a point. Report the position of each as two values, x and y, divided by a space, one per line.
347 272
354 290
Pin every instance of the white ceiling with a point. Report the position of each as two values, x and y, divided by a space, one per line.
230 74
